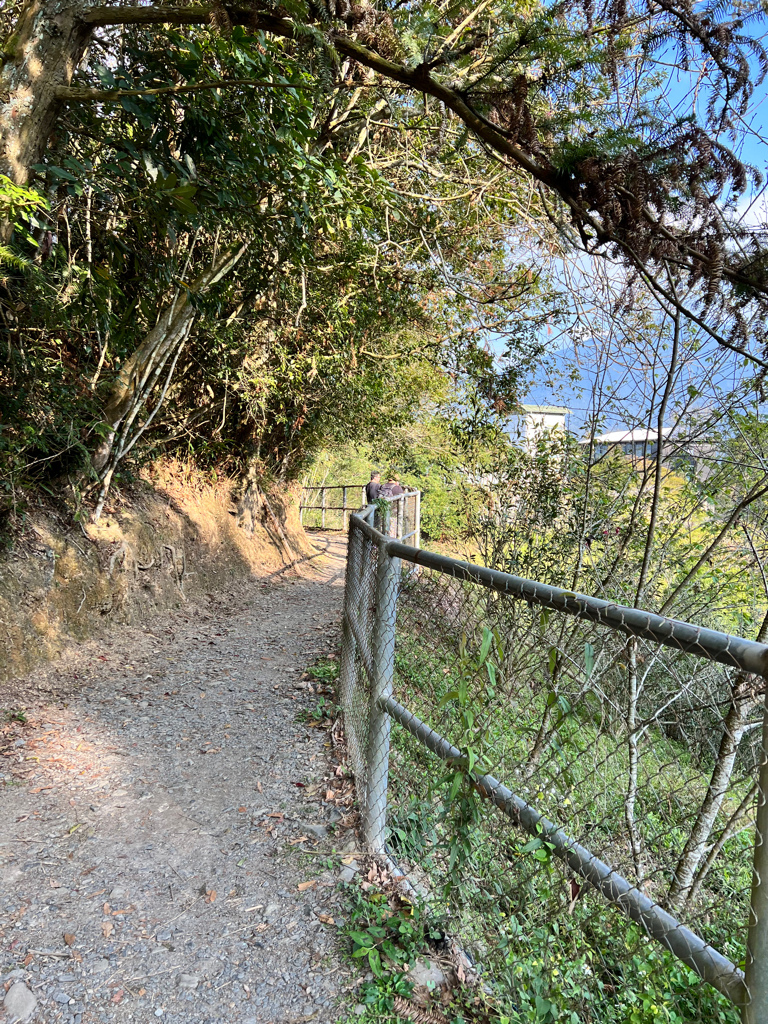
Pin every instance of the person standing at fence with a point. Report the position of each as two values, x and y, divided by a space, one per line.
392 489
393 486
373 487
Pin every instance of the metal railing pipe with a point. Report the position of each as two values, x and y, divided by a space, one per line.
710 965
721 647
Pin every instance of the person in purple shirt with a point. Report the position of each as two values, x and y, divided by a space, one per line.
393 486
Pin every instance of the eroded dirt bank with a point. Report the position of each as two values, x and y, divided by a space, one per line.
166 819
176 538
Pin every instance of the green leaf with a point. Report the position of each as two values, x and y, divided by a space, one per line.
184 205
531 845
552 660
589 659
451 695
485 649
455 785
374 959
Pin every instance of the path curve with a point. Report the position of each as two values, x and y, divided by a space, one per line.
151 860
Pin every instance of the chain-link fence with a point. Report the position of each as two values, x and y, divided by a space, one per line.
329 508
629 748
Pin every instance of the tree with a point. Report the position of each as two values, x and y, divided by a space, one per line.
240 279
560 94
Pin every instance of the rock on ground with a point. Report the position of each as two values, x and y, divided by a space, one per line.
160 816
19 1003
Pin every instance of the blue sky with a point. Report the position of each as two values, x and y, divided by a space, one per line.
681 94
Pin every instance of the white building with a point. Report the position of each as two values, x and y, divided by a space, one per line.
537 420
637 443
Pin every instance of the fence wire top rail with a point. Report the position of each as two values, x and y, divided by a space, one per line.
734 651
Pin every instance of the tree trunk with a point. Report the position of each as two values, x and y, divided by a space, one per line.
633 753
743 698
41 55
696 848
143 370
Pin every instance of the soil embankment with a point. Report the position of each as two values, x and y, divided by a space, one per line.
175 539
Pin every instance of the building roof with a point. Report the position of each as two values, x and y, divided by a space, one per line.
636 435
552 410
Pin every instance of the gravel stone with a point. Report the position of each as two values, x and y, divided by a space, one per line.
19 1003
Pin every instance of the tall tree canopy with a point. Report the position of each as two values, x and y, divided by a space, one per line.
256 213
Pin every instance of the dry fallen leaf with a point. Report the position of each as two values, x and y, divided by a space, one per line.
210 895
259 787
325 918
301 839
261 928
69 938
303 886
107 928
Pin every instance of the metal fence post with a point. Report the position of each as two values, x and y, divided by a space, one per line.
347 667
756 967
417 518
383 656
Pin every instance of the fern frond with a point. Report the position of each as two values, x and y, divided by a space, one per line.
9 258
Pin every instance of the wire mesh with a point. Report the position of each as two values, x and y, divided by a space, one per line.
628 747
356 659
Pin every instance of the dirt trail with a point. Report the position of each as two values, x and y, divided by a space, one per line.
151 815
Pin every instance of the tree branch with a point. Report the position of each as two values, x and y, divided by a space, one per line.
73 95
419 80
103 17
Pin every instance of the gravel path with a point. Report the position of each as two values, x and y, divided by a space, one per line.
152 864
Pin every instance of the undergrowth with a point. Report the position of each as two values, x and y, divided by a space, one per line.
553 952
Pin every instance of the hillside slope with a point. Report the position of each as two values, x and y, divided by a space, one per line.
176 538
